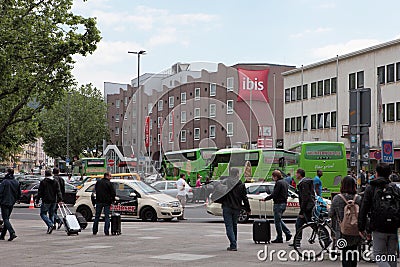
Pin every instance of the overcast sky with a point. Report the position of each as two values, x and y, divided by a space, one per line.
292 32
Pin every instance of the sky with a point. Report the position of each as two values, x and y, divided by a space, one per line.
290 32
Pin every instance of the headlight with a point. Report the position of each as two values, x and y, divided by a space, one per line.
163 204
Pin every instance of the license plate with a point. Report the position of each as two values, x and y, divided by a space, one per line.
177 210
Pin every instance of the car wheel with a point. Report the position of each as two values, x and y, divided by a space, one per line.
243 216
86 212
148 214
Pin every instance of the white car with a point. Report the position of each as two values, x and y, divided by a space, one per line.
134 198
170 188
257 191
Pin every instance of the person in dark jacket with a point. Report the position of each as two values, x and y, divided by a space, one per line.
61 183
50 193
279 196
232 204
105 196
10 192
384 239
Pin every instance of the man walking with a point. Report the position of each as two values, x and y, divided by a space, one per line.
181 196
61 184
10 192
105 196
318 183
49 191
279 196
231 206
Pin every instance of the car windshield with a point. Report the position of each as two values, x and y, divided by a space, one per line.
145 188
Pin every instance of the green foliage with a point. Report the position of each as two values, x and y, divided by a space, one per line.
37 41
87 121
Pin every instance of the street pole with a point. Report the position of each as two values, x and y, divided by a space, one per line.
68 115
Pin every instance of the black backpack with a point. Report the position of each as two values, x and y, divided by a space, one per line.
386 208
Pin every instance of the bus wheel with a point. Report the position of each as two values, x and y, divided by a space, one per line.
86 212
148 214
243 216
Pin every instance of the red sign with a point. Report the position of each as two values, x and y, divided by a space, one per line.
110 162
253 84
147 132
377 155
293 204
264 143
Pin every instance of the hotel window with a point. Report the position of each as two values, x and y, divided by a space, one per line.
287 95
320 121
398 111
117 117
117 103
398 71
229 106
390 112
125 101
287 125
305 123
360 79
183 116
158 138
159 122
298 124
171 137
212 131
313 122
390 73
171 102
134 98
293 94
333 85
305 91
170 119
320 88
333 119
229 129
381 74
213 108
183 98
213 89
196 93
313 90
298 93
197 113
229 84
196 133
150 108
327 87
293 124
160 105
352 81
327 120
116 130
183 136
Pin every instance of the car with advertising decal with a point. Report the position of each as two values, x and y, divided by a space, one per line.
133 198
257 191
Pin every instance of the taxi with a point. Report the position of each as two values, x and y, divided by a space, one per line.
133 198
257 191
124 176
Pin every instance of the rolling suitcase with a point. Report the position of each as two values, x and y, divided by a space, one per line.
81 220
115 223
262 229
70 221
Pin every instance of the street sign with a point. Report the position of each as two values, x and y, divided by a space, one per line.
377 155
110 162
387 151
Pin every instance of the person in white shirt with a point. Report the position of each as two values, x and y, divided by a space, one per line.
181 196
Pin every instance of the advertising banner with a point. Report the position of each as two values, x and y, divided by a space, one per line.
253 84
147 132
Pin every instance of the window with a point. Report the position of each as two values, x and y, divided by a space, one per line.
212 131
196 133
293 94
333 85
213 109
305 91
183 116
183 98
229 84
390 73
170 118
287 125
398 111
327 120
149 108
160 186
313 122
117 117
158 138
171 137
327 87
381 74
171 102
134 113
287 95
125 101
398 71
213 89
229 129
305 123
298 124
298 92
352 81
320 88
183 136
116 130
313 90
125 117
134 98
333 119
390 112
320 121
360 79
196 93
197 113
117 103
293 124
159 122
229 106
160 105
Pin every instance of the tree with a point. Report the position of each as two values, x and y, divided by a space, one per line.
37 41
87 123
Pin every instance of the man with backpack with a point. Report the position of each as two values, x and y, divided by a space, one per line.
382 200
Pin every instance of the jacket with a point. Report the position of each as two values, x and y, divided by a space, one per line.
10 191
61 183
105 191
280 193
236 196
306 196
49 191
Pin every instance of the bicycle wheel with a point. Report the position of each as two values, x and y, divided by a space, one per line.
310 240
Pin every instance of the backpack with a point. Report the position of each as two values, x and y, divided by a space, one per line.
386 208
349 224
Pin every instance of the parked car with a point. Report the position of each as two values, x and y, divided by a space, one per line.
32 189
170 188
134 198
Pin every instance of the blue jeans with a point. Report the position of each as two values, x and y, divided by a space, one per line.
279 209
230 219
385 247
5 213
300 222
56 218
99 208
47 208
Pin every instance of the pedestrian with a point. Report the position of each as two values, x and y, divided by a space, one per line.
49 191
318 183
348 190
198 181
306 191
384 220
232 203
279 195
181 196
105 196
10 193
290 180
61 184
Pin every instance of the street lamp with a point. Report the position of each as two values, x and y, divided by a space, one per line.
68 115
138 53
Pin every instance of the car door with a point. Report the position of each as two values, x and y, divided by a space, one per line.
171 189
293 206
254 194
127 202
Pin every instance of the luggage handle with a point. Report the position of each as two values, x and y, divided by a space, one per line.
265 203
64 210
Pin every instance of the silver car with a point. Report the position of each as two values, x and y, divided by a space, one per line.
170 188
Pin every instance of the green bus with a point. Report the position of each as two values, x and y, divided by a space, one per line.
189 162
330 157
90 166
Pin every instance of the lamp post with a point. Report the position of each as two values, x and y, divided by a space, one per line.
138 53
68 115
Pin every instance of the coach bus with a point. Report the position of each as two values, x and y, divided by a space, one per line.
90 166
